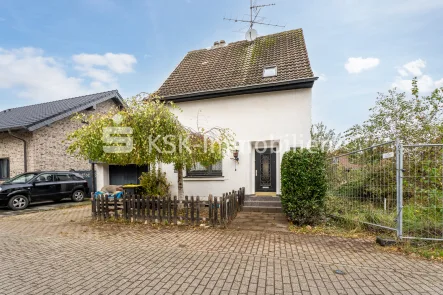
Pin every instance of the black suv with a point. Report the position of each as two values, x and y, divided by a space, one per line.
23 189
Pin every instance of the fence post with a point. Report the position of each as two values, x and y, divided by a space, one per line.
175 209
192 210
115 208
211 211
169 209
215 210
399 178
198 210
186 210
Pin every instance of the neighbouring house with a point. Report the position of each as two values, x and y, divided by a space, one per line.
32 137
262 91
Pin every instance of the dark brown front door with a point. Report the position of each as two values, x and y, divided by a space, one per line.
265 170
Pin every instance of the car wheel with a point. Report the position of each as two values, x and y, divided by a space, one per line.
18 203
78 196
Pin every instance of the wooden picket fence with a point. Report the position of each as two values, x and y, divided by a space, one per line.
135 208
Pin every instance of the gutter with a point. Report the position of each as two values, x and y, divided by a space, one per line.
250 89
25 149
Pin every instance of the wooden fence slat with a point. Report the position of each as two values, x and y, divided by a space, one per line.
149 207
98 207
211 218
115 208
143 208
153 208
175 209
169 210
215 211
198 210
107 208
164 207
186 210
159 209
192 210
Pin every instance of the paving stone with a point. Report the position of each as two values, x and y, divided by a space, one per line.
62 252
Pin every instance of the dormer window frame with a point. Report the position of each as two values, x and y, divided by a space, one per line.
270 68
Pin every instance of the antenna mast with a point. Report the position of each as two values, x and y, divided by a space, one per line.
255 19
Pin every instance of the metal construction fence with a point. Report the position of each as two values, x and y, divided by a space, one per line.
393 186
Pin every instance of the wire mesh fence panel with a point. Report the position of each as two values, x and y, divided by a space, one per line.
363 186
422 211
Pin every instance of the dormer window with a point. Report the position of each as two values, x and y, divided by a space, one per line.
270 72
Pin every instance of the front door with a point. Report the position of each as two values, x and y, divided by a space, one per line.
265 170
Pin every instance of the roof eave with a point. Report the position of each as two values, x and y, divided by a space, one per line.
250 89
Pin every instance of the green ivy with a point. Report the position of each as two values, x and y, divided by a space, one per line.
304 184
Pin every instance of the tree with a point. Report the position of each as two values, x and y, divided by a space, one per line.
148 133
411 119
325 139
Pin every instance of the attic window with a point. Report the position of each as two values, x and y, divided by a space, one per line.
269 72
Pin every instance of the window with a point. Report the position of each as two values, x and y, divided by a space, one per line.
4 168
45 178
270 72
205 171
63 177
22 178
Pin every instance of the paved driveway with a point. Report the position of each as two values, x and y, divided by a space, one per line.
59 252
41 206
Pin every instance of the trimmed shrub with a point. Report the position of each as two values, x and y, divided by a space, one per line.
304 184
155 183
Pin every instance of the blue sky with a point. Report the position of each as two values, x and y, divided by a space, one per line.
55 49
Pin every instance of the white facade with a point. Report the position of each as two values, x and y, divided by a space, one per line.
280 119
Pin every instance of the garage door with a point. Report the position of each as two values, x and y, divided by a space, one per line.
130 174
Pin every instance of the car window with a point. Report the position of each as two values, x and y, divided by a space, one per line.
22 178
76 177
45 177
63 177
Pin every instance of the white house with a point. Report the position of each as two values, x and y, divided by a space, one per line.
262 91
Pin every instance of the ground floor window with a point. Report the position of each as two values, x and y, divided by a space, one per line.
198 170
4 168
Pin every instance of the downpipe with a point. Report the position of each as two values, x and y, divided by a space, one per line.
25 150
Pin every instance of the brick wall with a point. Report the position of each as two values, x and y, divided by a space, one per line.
12 149
46 146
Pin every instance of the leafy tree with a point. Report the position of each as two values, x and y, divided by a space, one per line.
156 136
326 139
411 119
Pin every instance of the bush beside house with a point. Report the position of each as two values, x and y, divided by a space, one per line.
304 184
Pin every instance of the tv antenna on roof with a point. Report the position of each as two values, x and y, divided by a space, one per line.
251 34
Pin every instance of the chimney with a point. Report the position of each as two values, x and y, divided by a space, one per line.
222 43
216 44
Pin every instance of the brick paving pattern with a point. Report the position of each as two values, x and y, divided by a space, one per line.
60 252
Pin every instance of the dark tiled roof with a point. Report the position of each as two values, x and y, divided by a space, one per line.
240 64
36 116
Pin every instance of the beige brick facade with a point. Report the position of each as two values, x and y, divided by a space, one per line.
46 146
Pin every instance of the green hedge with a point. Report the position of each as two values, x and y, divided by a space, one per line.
304 184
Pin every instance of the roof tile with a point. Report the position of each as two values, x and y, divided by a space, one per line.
240 64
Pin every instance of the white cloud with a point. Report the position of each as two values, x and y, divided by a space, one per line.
43 78
36 76
358 64
119 63
411 69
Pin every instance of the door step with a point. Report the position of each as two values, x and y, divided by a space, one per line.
265 194
262 204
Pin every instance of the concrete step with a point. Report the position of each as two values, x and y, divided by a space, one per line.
256 198
252 203
262 209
